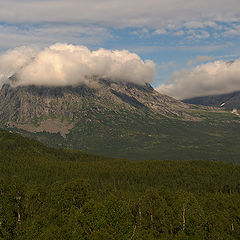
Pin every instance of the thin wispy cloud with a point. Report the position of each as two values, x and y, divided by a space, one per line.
14 35
160 17
199 59
137 13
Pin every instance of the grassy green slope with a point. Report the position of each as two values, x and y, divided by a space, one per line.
143 135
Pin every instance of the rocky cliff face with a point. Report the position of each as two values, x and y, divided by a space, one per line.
28 104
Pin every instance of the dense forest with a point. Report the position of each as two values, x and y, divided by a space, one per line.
49 193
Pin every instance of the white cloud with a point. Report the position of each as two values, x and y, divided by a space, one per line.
194 24
200 24
207 79
161 31
179 33
47 34
125 13
234 30
14 60
199 59
182 48
198 35
62 64
142 33
91 22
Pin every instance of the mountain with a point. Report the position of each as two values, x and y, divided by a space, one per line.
26 104
120 120
227 101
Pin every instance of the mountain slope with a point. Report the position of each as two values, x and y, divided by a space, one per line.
22 104
120 120
228 101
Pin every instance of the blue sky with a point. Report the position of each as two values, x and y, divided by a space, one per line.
175 34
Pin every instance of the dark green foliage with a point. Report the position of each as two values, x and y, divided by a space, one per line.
49 194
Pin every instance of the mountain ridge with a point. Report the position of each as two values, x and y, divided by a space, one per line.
54 109
127 94
227 101
119 120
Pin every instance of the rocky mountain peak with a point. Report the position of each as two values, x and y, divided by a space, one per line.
69 111
26 103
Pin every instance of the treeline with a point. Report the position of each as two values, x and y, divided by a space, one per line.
64 194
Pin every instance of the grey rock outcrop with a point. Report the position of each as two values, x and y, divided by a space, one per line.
29 104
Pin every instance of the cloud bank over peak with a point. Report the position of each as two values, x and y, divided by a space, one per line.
63 64
212 78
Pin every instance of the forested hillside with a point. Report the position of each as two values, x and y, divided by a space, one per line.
66 194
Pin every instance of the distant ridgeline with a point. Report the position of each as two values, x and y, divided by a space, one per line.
228 101
66 194
122 120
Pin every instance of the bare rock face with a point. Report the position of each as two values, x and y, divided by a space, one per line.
87 117
49 125
28 104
